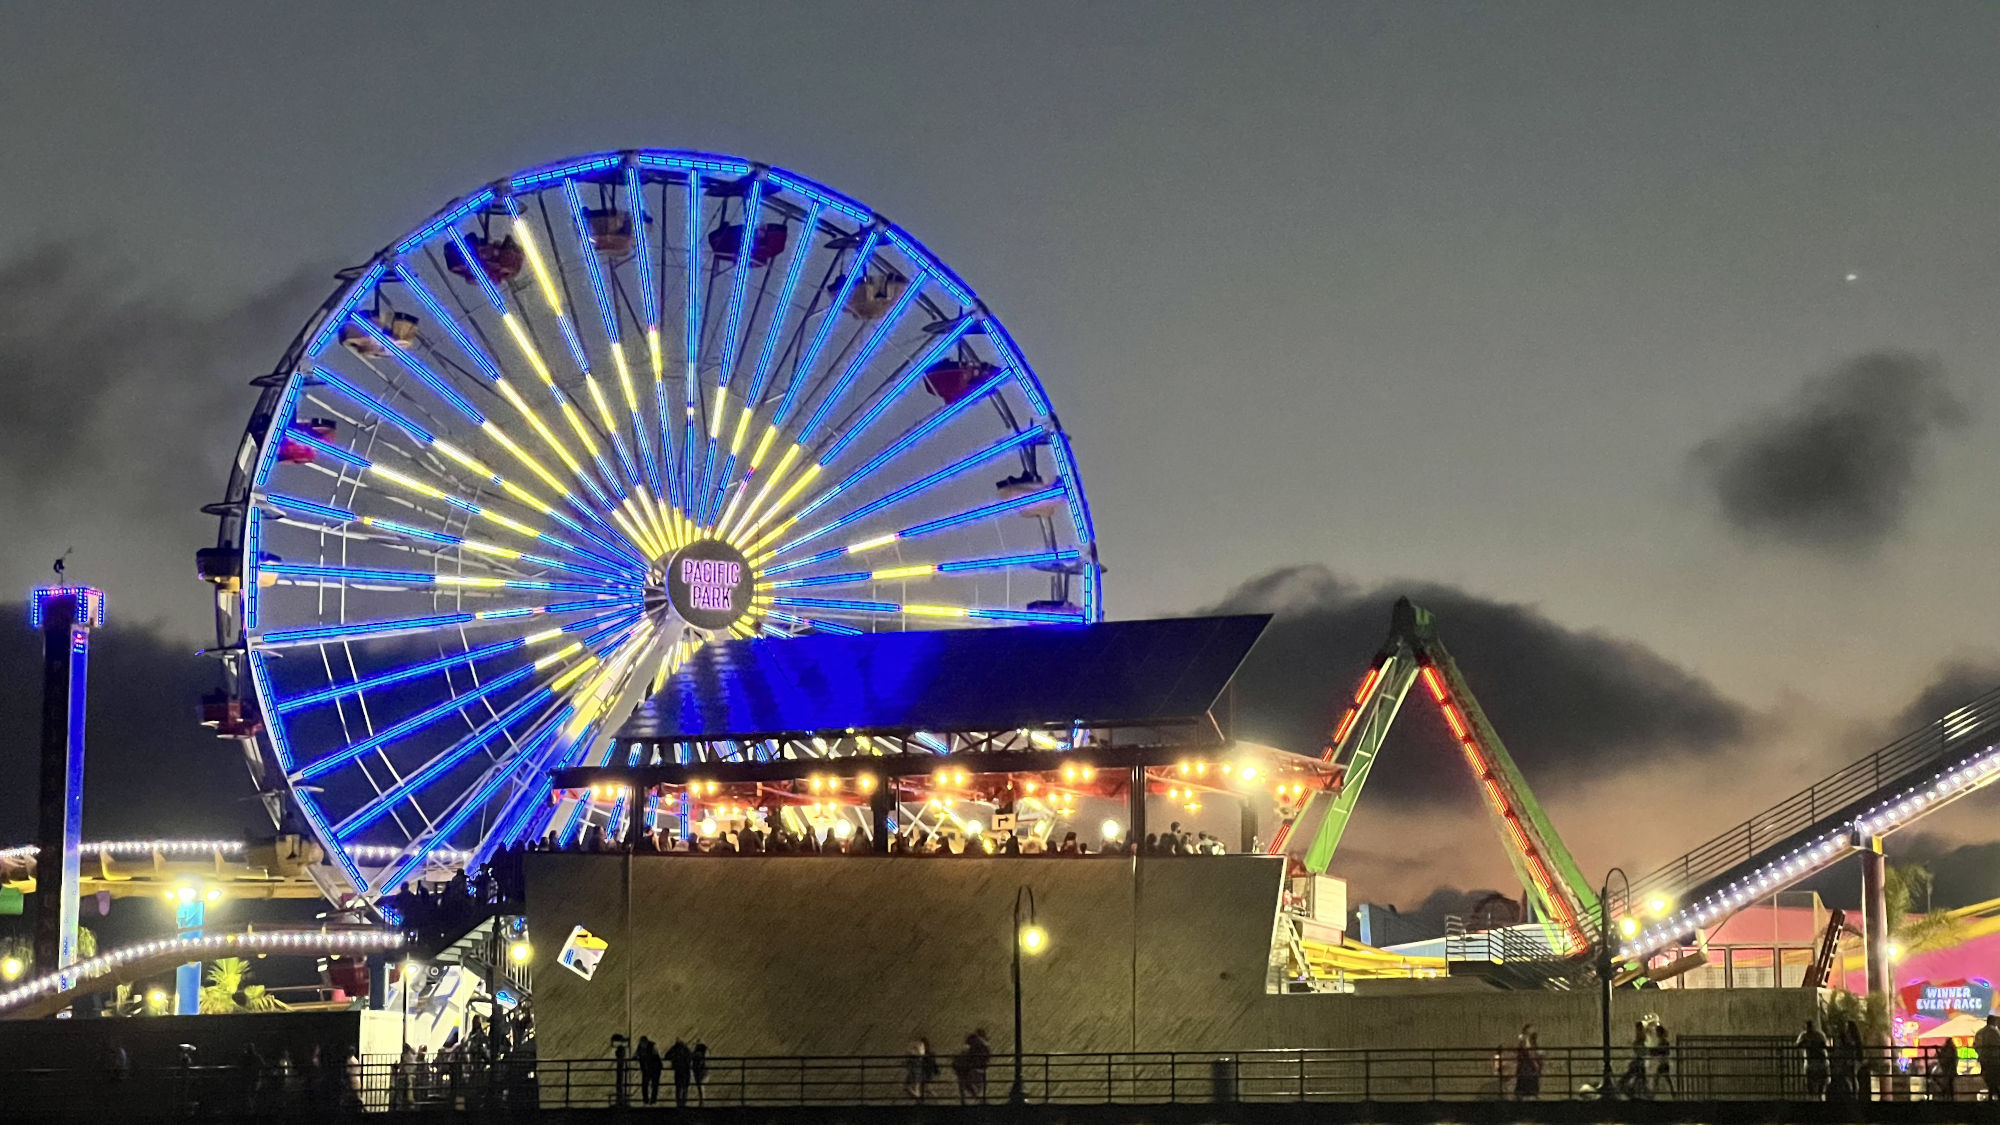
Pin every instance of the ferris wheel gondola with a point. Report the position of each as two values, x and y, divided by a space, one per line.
538 451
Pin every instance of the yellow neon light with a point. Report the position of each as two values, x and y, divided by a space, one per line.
742 429
575 421
541 428
934 610
544 635
871 544
563 653
763 446
526 346
513 525
721 405
735 498
486 548
624 376
569 677
521 455
416 486
525 497
464 458
597 397
467 580
653 348
535 263
895 572
771 482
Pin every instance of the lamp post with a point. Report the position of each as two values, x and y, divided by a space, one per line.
1034 939
1607 967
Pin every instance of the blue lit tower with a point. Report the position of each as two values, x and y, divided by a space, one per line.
65 615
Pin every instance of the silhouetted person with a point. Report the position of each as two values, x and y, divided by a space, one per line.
1633 1081
648 1057
1846 1059
698 1062
1986 1047
1528 1064
1812 1045
1944 1071
682 1060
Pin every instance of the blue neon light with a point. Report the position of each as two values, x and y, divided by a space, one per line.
337 315
635 202
802 371
327 374
693 341
793 271
592 268
746 240
348 573
970 461
451 327
535 177
998 562
693 161
945 341
398 675
310 441
1040 616
902 444
915 252
478 800
986 511
486 286
821 195
863 357
420 369
321 766
796 564
821 580
445 218
374 810
290 505
364 629
836 603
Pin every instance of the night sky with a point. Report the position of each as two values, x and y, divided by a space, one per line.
1650 346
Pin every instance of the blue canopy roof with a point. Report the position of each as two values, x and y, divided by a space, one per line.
1163 672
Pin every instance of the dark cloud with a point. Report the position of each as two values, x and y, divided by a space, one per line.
1954 685
1837 467
152 770
120 409
1571 705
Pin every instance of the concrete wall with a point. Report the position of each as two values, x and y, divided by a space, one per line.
843 955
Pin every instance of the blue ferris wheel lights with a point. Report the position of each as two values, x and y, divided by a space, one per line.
486 286
374 810
325 373
998 562
293 505
865 356
810 359
417 367
984 511
450 324
548 173
822 196
471 204
399 675
1013 441
793 271
592 267
1034 616
732 321
944 343
903 444
809 560
357 630
694 162
337 315
642 248
320 766
333 452
692 340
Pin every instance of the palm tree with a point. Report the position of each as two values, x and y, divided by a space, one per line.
1903 887
229 990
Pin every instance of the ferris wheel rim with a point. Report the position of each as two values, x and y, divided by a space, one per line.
285 388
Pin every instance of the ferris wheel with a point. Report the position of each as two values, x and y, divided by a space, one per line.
582 421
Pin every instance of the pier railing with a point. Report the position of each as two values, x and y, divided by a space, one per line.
1762 1071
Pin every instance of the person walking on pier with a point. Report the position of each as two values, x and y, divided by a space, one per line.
1528 1064
1812 1045
1986 1046
647 1055
682 1060
919 1067
698 1064
1633 1082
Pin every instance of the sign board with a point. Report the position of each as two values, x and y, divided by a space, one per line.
581 953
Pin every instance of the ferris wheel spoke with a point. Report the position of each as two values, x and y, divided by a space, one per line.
922 609
864 357
420 669
429 623
925 570
402 578
534 749
914 488
451 705
1054 494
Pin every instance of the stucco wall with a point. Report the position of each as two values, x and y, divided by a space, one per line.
841 955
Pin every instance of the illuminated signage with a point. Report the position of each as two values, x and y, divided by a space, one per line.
1975 997
709 584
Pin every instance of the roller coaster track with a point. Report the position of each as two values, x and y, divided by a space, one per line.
1919 773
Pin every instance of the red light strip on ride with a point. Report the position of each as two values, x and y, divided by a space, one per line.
1537 870
1353 712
